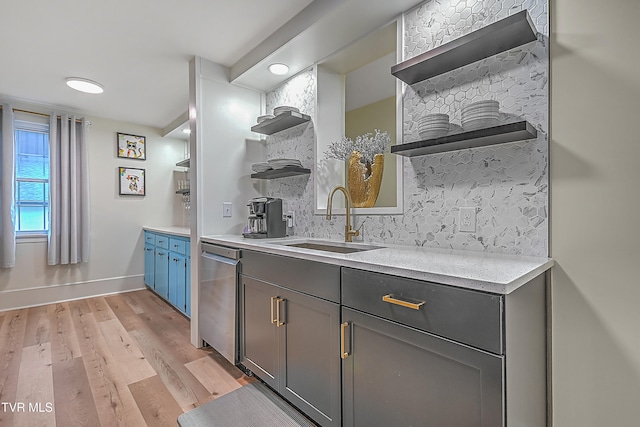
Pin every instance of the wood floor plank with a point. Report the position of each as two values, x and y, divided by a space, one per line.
35 388
215 378
11 344
231 369
150 302
156 403
37 331
114 403
100 309
121 370
74 402
130 298
133 365
172 327
184 387
64 342
123 312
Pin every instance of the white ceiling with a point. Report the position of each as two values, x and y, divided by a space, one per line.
139 50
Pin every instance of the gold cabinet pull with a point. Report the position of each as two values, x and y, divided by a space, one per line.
343 353
413 305
273 319
279 322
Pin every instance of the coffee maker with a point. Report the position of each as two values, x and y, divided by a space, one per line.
265 218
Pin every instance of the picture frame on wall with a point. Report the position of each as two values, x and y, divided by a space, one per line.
131 181
132 146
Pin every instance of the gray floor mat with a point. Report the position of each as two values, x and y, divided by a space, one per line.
253 405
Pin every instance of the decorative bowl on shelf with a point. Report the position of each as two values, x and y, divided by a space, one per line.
261 167
265 117
480 114
433 125
283 163
283 109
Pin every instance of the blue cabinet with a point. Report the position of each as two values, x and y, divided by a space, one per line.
149 265
188 290
167 265
177 278
161 272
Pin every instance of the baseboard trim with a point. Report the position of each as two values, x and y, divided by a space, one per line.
24 298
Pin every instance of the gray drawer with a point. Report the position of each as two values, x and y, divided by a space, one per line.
313 278
470 317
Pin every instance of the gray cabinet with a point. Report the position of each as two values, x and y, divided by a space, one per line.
420 353
291 339
350 347
260 337
395 375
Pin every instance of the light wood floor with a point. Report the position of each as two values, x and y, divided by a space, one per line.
120 360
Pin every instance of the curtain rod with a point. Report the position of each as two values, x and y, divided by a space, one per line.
41 114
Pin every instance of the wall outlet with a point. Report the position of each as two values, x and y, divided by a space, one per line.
226 209
290 217
468 220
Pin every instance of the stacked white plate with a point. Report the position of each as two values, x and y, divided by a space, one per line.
261 167
283 163
433 125
265 117
284 108
480 114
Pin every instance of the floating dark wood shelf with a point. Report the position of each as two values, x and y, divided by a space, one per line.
183 191
282 121
500 36
184 163
501 134
281 173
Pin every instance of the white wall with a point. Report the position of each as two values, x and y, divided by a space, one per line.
226 150
222 151
116 257
595 201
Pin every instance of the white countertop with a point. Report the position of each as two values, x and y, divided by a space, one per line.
176 231
497 273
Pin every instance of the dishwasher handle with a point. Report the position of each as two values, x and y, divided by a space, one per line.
220 250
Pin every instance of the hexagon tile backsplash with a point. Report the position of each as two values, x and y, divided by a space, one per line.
507 184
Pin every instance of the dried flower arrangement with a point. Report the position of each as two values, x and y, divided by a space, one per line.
368 145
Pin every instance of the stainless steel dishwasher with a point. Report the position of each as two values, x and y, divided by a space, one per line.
217 299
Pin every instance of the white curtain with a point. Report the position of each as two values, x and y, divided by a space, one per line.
68 191
7 175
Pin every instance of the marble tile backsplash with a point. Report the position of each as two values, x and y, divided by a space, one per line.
507 184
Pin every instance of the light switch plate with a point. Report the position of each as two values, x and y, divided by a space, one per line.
468 220
226 209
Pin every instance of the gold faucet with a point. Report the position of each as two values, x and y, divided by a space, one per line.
349 233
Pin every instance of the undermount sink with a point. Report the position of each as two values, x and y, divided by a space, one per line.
342 248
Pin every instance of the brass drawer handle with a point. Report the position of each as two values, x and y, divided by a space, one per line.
279 321
273 319
413 305
343 353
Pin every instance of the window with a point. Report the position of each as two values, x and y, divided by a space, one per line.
32 177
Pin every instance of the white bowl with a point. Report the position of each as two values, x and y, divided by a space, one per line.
284 108
480 123
433 133
263 118
489 105
434 117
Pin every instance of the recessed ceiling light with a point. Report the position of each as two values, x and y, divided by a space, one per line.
187 131
279 69
84 85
